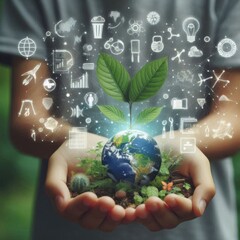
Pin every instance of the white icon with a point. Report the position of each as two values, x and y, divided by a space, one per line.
224 98
48 34
47 102
201 102
207 39
191 26
165 96
49 84
218 79
88 66
27 47
78 39
33 135
77 112
88 120
97 24
62 28
87 48
157 44
178 56
171 133
207 131
171 34
135 49
116 47
186 125
91 99
185 76
115 15
223 130
195 52
62 61
81 82
187 145
153 18
164 123
135 27
78 138
30 75
203 80
27 108
227 48
179 104
51 124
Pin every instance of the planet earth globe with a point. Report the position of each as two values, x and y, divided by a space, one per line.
132 156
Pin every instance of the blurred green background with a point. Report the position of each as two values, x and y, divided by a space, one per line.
18 176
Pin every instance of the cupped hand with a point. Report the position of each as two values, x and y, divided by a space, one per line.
157 214
86 209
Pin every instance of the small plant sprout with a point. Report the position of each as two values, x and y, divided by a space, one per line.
117 83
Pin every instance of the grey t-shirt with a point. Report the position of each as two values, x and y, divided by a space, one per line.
195 36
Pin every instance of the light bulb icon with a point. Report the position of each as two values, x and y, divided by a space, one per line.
191 26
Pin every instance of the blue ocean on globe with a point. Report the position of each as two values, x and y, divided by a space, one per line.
132 156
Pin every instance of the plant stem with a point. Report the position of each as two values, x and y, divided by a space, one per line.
130 113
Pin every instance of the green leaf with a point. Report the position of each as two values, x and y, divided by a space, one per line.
176 190
137 199
187 186
112 113
148 80
152 191
113 77
148 115
162 194
144 190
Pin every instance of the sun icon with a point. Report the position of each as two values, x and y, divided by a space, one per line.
153 18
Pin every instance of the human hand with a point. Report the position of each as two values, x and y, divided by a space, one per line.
157 214
86 209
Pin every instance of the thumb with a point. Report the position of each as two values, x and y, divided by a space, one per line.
203 182
56 180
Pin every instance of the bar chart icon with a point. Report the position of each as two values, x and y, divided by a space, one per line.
81 82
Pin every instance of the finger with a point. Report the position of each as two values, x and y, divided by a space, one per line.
202 195
130 215
204 186
93 218
113 219
146 218
56 181
165 218
180 206
79 205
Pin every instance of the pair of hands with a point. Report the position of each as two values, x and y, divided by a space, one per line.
102 213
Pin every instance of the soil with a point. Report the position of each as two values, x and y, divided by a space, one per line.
128 199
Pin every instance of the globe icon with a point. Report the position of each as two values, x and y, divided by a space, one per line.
27 47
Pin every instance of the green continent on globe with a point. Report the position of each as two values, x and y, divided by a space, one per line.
132 156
